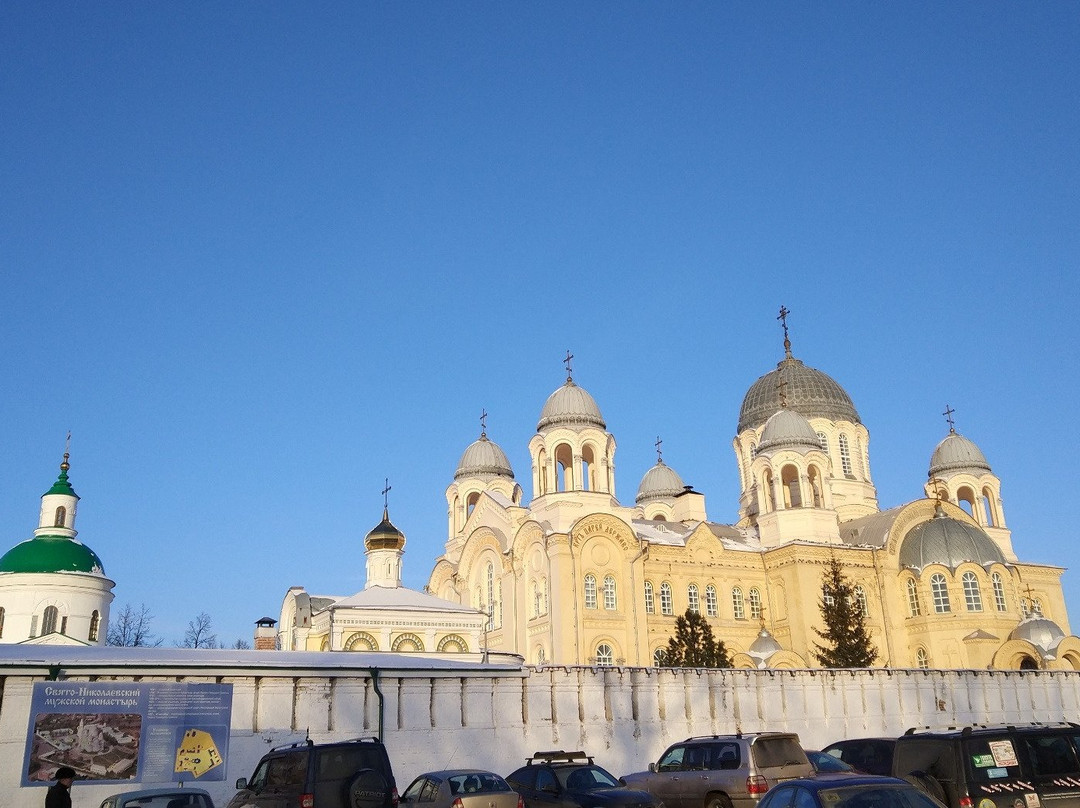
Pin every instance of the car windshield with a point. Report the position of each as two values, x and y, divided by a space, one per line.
586 778
476 782
824 762
875 796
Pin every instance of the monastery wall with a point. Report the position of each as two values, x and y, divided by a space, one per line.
625 717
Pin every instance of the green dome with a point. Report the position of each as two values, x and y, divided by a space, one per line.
51 554
62 484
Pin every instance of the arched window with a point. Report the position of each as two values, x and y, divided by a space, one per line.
536 599
813 479
693 602
860 601
542 471
753 449
789 480
845 454
490 577
988 507
543 596
361 641
665 598
921 658
588 469
965 498
95 621
2 621
49 620
61 516
972 594
470 503
590 591
408 642
541 657
605 655
658 658
711 607
999 591
453 644
610 602
564 463
913 606
940 590
859 456
737 604
823 440
649 605
768 499
753 598
498 605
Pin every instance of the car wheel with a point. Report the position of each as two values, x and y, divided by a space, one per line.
927 783
717 801
367 789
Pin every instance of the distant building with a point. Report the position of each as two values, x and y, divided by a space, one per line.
385 616
575 577
53 588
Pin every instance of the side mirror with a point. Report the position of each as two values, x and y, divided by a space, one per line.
622 781
652 768
241 784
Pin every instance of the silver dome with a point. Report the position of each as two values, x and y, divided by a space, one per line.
957 453
788 429
807 390
763 647
947 541
570 405
1041 632
659 482
483 458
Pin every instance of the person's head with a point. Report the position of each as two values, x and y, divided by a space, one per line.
65 775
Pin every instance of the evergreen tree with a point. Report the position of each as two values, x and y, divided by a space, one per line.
847 640
694 646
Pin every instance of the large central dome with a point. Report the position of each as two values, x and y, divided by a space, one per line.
807 391
572 406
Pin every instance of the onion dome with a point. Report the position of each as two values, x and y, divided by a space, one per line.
659 482
787 429
808 391
384 536
47 554
1040 631
763 647
571 406
947 541
957 454
483 458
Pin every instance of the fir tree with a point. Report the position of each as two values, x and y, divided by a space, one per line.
694 646
847 640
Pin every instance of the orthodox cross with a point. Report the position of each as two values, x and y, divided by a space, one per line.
483 422
385 491
569 373
67 453
948 417
784 312
659 452
781 387
1031 601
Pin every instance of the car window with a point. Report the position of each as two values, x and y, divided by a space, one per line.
287 770
991 758
258 779
723 756
770 752
430 791
482 782
804 799
545 778
414 789
672 759
587 778
778 798
523 777
341 762
1051 755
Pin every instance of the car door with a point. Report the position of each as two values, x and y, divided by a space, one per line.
1055 767
667 780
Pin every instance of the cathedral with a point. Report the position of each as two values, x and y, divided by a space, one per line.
573 577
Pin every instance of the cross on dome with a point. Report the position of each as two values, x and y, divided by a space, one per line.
948 417
659 451
385 491
784 312
566 361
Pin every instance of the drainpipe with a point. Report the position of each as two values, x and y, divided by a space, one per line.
374 673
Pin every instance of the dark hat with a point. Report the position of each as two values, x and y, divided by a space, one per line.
65 773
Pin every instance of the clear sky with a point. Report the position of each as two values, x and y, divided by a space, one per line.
260 256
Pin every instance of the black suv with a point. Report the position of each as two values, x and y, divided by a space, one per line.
1002 766
571 780
349 774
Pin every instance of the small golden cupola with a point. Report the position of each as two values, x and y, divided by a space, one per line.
384 545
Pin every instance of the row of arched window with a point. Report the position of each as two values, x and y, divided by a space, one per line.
53 622
363 641
740 604
611 601
940 601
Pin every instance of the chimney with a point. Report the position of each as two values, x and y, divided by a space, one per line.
265 636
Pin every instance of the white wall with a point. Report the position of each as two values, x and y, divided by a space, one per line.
624 717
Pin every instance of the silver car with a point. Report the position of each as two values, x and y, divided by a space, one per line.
160 798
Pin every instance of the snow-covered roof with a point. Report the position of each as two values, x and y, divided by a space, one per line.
401 598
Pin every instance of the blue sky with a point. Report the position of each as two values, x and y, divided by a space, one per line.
260 256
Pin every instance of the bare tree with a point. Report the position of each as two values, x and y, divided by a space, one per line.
200 633
130 627
242 645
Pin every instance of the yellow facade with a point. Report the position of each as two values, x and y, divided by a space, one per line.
575 577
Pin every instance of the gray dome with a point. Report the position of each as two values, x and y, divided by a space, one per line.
570 405
956 453
1040 631
808 391
947 541
659 482
787 429
483 458
763 647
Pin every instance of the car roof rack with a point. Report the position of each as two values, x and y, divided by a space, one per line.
967 729
310 743
558 756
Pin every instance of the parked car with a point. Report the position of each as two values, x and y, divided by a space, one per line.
827 764
347 774
723 771
572 780
160 798
870 755
1015 766
848 791
461 788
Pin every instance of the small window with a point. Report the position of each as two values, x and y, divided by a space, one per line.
692 600
972 593
665 598
711 607
823 440
590 591
940 590
649 604
605 656
999 591
49 620
737 604
541 657
610 602
658 658
914 608
845 454
860 601
753 597
61 517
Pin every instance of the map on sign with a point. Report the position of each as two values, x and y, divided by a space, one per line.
197 753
